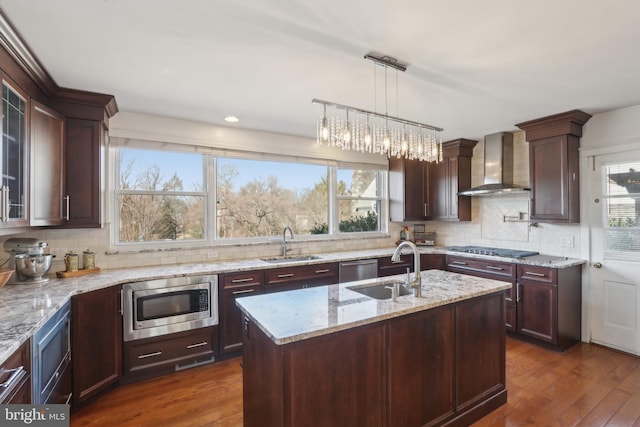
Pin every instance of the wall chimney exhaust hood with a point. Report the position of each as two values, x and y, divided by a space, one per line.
498 167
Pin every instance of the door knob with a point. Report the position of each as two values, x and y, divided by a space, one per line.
597 264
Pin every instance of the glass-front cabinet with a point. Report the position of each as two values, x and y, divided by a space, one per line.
14 156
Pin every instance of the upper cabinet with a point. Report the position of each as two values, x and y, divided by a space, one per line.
47 166
449 177
52 144
408 190
554 166
14 156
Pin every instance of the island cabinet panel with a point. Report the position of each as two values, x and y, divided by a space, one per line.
234 286
422 396
441 366
480 351
330 380
96 344
299 277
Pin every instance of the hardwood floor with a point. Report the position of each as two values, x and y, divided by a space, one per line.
587 385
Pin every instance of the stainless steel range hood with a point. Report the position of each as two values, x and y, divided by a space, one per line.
498 167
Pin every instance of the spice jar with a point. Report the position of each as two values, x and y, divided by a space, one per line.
88 259
71 261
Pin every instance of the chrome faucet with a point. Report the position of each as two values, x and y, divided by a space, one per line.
284 240
416 282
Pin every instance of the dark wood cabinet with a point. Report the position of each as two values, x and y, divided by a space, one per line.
447 178
15 377
83 172
427 395
431 261
151 357
554 171
549 304
440 366
490 269
299 277
233 286
386 267
47 163
408 190
96 342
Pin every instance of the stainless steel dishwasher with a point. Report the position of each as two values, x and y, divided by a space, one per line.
350 271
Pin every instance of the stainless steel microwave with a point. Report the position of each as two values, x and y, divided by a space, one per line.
165 306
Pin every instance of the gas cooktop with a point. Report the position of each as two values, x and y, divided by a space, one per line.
499 252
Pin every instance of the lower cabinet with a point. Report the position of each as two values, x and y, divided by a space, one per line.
549 304
155 356
299 277
440 366
386 267
232 287
96 342
15 377
432 262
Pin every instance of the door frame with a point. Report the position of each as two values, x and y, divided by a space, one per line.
587 162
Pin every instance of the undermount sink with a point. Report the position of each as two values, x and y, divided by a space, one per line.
290 258
381 290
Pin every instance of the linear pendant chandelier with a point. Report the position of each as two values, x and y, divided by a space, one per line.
356 129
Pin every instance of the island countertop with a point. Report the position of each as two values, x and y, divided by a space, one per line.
291 316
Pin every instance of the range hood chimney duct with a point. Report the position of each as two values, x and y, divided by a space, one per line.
498 167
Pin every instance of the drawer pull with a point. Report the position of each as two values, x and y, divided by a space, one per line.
530 273
459 263
491 267
244 291
248 279
322 271
200 344
13 378
282 276
155 353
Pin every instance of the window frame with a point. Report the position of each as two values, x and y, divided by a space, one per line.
210 188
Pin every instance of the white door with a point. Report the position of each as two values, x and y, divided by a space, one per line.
614 221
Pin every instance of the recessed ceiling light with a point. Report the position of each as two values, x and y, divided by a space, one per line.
231 119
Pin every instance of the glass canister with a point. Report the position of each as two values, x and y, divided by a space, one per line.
88 259
71 261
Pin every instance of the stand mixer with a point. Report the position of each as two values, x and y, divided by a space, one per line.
28 260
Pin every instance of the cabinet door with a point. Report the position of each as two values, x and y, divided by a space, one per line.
83 173
439 191
14 156
408 190
97 342
554 179
15 376
424 395
537 316
47 166
234 286
431 262
386 267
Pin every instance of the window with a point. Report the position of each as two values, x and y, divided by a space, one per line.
164 196
160 196
622 204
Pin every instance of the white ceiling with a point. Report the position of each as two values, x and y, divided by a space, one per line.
474 67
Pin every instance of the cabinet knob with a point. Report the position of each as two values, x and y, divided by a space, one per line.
597 265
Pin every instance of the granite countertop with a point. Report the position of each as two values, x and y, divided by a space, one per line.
26 307
305 313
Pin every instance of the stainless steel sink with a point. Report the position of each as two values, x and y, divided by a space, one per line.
292 258
381 290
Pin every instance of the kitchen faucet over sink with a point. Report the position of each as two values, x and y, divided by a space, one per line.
416 282
284 240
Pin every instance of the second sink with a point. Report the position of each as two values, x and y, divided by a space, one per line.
381 290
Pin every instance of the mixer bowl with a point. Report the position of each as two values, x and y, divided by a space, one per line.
31 267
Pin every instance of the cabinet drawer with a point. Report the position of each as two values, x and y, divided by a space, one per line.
386 267
483 268
242 279
324 272
168 349
16 371
534 273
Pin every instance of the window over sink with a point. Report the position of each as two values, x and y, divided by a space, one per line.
178 196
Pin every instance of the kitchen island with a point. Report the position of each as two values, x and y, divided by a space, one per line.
332 356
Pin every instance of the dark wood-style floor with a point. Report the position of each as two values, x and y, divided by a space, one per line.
587 385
